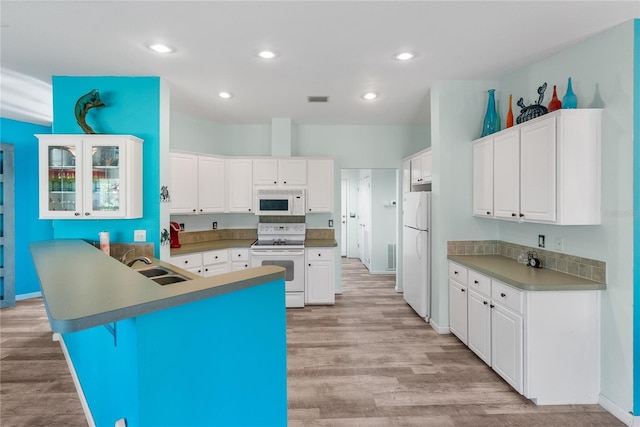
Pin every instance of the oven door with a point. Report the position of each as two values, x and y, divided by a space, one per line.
292 260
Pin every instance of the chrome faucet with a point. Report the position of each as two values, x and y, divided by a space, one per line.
123 258
139 258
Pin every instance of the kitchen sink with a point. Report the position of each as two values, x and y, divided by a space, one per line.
154 271
162 275
168 279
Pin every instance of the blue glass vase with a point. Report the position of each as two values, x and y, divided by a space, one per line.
491 120
570 100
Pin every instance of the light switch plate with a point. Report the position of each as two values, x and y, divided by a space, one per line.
139 235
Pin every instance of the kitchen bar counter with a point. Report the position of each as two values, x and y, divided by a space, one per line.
524 277
82 287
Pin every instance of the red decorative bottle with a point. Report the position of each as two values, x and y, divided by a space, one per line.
510 114
555 103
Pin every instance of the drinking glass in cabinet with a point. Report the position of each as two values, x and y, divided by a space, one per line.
62 178
106 178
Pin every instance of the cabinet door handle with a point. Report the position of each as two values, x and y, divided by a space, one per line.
285 182
513 214
194 210
521 215
216 257
476 282
485 303
488 213
77 214
503 295
249 209
200 210
186 262
275 182
239 255
309 265
87 213
462 290
206 269
455 272
491 306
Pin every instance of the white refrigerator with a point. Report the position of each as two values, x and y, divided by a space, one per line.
416 251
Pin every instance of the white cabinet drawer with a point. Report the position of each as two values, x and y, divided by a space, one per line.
239 254
507 296
480 283
187 261
314 254
215 257
458 273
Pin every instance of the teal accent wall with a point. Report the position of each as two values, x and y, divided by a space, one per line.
220 361
132 108
636 218
28 227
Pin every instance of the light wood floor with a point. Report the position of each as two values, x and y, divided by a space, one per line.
367 361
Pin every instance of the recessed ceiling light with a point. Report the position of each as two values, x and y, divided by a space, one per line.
160 47
267 54
369 96
225 95
404 56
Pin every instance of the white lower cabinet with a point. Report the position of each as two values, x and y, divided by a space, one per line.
239 258
189 262
319 280
545 344
215 262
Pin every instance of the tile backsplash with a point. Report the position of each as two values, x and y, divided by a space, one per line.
565 263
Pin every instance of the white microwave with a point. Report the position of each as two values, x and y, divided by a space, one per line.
280 201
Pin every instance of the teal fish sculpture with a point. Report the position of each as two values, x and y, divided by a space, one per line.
83 105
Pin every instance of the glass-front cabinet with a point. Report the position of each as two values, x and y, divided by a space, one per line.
90 176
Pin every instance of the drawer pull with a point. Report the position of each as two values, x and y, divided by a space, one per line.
462 290
455 272
488 213
485 303
502 294
476 282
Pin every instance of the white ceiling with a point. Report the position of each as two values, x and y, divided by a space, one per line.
335 48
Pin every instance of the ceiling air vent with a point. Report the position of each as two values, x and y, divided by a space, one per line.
318 98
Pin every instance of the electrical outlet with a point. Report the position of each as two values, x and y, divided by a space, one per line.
559 244
139 235
541 240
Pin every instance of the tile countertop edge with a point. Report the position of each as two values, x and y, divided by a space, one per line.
512 273
245 243
84 288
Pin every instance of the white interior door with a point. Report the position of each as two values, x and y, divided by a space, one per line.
344 207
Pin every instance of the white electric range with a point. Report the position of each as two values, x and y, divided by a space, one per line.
282 244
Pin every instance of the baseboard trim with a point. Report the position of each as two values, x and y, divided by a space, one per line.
391 272
618 412
442 330
28 296
76 380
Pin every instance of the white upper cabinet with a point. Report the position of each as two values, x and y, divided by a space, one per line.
280 172
546 170
211 185
319 185
483 177
90 176
198 184
420 165
184 183
506 175
240 185
538 171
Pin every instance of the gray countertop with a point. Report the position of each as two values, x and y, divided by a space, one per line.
242 243
83 287
520 276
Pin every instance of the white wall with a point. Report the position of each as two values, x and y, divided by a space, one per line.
457 113
384 219
604 62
